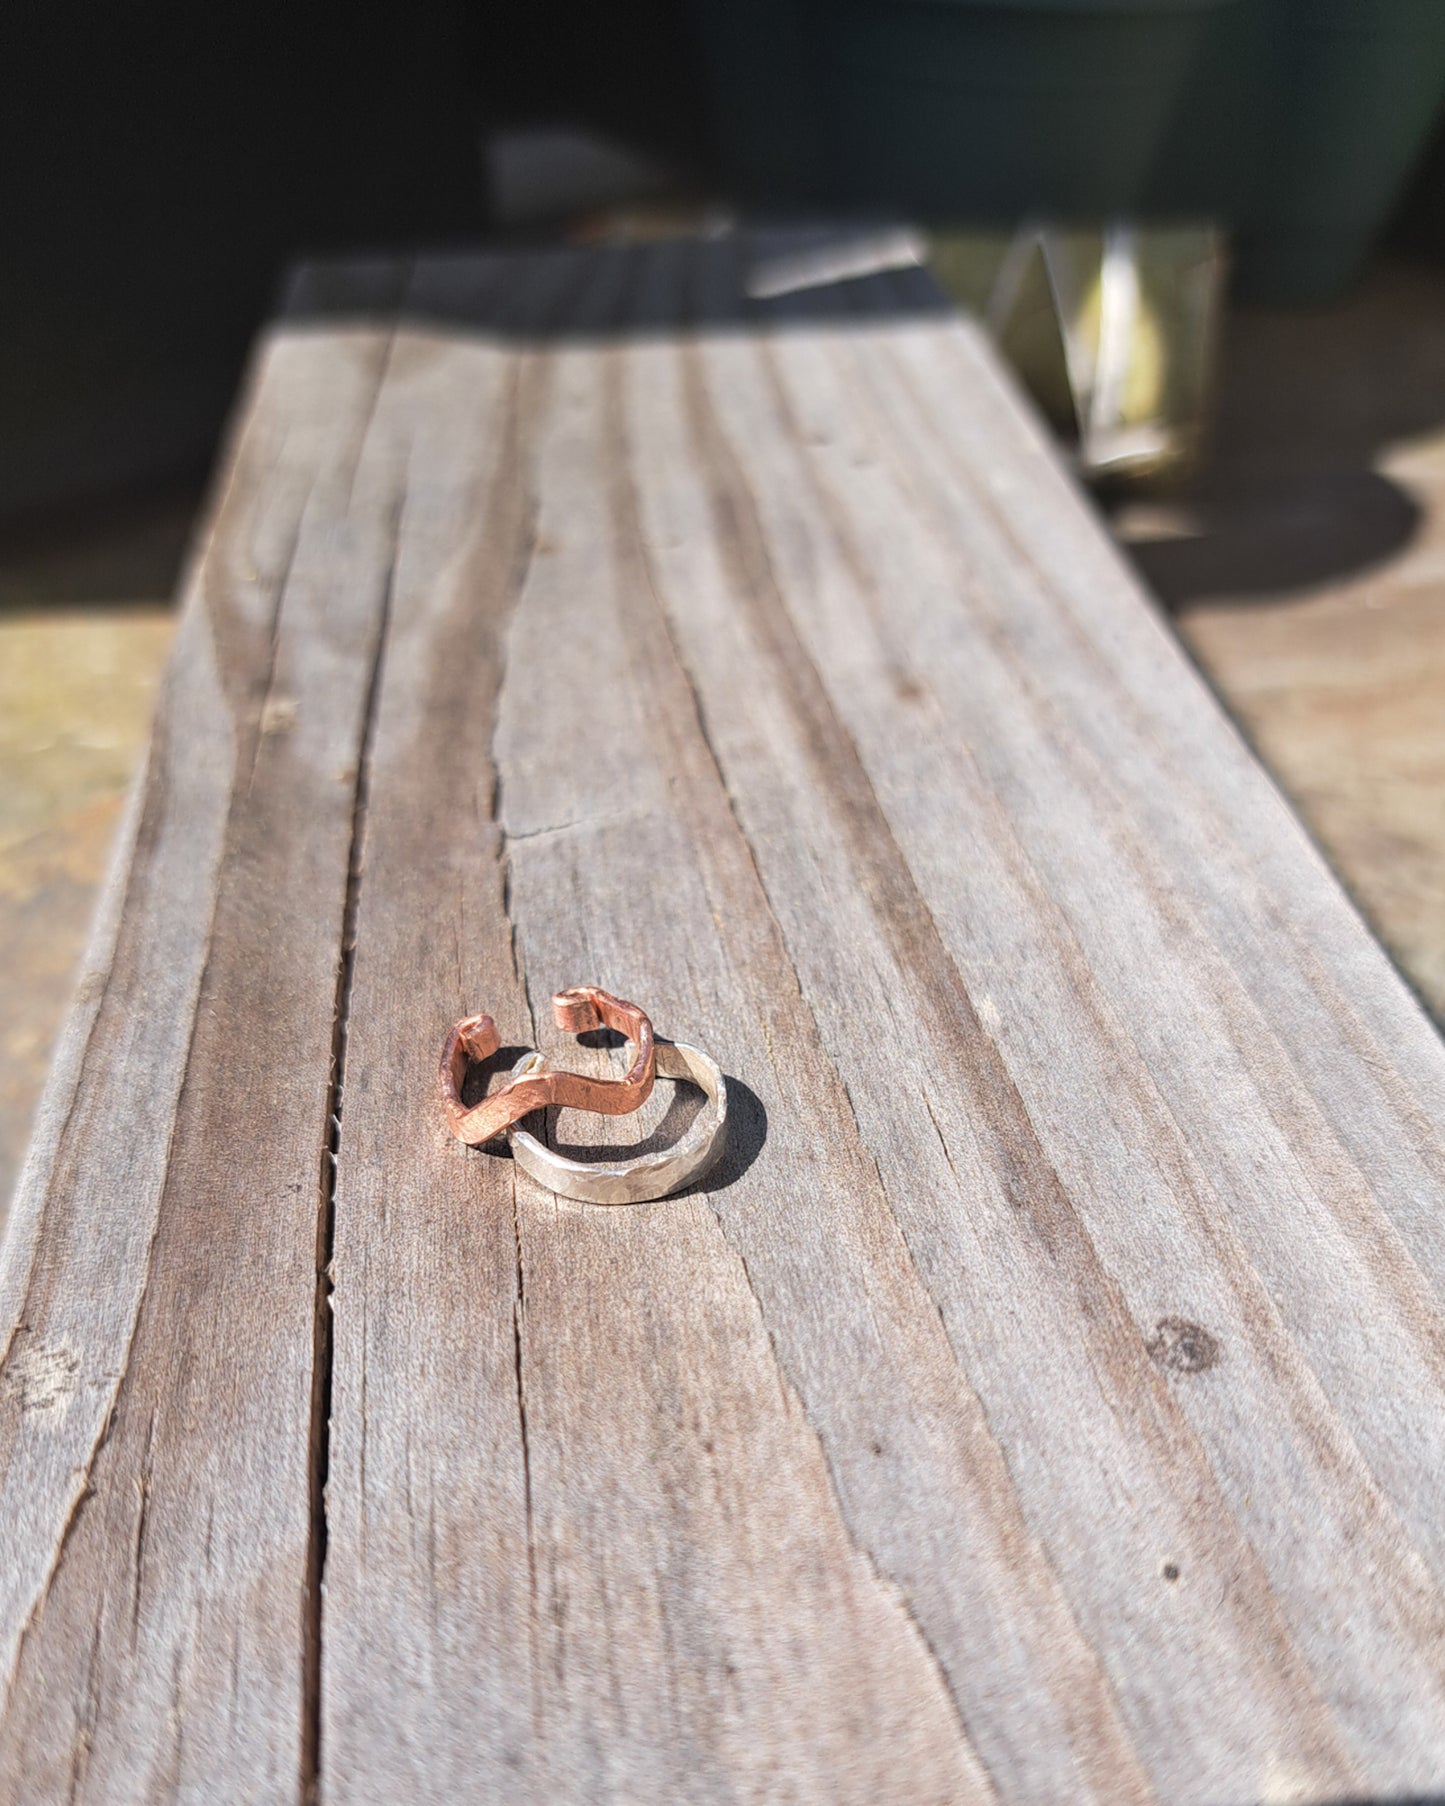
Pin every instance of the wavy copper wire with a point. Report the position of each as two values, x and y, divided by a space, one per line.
577 1010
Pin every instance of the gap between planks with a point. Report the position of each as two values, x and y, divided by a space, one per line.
323 1344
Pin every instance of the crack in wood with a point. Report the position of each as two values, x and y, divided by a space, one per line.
321 1372
143 1498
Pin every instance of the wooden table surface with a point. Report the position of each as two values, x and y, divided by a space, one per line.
1043 1402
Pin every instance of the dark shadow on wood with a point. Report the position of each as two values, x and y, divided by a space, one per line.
1289 496
747 1134
1389 1799
1282 535
768 275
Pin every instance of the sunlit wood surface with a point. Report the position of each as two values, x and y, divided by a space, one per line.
1043 1403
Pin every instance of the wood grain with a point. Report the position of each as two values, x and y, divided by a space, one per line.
160 1275
1044 1399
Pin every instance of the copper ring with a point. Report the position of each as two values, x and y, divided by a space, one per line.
582 1008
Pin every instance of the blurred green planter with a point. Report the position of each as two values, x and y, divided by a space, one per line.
978 110
1357 84
1297 128
1294 122
972 108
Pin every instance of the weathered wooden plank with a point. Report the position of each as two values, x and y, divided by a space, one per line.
817 718
157 1615
536 1578
1068 959
1043 1401
1164 1118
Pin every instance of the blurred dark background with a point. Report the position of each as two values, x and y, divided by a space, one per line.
161 163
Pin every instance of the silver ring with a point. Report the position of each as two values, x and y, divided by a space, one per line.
646 1176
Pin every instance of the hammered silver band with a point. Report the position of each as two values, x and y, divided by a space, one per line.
646 1176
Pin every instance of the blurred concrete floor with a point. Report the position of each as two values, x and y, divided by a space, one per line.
85 624
1305 572
1305 569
